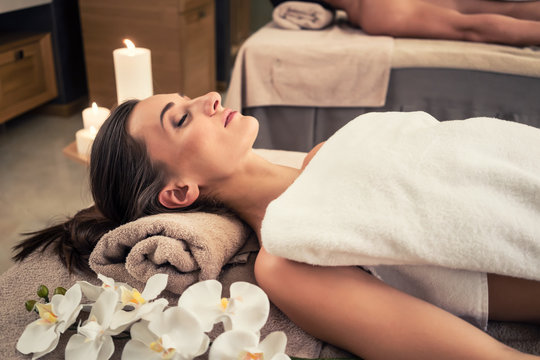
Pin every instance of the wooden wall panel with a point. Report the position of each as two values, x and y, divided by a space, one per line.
159 25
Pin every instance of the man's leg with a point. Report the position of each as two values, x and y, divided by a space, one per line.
420 19
528 10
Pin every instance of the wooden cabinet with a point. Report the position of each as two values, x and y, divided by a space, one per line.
27 77
179 33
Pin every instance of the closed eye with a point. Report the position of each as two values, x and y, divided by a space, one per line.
178 124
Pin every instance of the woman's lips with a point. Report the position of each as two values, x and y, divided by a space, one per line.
229 117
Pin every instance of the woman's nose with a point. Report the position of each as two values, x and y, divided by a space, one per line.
212 103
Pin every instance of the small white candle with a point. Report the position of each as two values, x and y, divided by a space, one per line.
133 72
94 116
85 139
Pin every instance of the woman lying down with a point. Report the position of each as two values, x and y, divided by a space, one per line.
398 239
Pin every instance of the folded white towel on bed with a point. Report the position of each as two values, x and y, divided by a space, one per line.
297 15
403 188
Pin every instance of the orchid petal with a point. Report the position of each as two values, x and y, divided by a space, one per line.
136 350
204 346
37 337
230 345
90 330
91 291
51 347
107 281
122 319
107 348
94 340
273 344
250 306
154 286
140 332
203 299
149 310
145 344
182 328
104 307
67 303
79 348
41 336
67 307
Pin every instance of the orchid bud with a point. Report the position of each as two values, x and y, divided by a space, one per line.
59 290
43 292
29 305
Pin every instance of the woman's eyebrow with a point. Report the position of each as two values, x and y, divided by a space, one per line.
165 108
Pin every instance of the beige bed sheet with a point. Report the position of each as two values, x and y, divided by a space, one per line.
341 66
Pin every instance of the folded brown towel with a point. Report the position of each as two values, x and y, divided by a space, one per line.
189 247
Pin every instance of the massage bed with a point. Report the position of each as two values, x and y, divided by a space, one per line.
303 85
20 282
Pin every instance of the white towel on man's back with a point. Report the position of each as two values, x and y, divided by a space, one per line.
403 188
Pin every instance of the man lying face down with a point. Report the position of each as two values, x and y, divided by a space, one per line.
505 22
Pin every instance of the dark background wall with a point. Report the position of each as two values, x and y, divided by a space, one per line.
61 19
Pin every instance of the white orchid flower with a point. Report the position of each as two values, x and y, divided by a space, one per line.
246 309
94 340
41 336
174 334
244 345
143 307
92 292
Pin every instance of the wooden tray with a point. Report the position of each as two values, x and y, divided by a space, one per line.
71 152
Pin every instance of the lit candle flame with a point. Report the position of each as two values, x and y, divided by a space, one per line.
94 107
129 44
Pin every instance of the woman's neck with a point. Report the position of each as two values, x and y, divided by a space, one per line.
254 186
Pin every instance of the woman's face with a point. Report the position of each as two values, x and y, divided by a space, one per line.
197 139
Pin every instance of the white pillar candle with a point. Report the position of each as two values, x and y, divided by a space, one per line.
94 116
85 139
133 72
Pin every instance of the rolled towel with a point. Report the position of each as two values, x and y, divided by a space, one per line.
297 15
189 247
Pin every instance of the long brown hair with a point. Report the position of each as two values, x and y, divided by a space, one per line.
125 184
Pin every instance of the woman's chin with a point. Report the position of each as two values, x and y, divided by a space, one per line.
252 125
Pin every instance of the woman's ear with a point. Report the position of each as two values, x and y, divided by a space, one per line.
175 196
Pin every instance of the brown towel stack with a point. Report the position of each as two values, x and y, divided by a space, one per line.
189 247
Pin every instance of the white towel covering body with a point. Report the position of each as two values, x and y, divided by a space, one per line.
462 197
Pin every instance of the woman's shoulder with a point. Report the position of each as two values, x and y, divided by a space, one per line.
311 154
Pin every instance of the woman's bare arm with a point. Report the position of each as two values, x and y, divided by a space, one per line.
349 308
